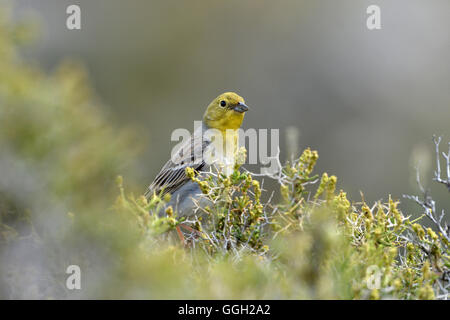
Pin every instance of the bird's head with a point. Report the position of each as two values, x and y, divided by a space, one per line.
225 112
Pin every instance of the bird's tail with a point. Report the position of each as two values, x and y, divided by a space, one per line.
148 193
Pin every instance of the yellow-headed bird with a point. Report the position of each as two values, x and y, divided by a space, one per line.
223 116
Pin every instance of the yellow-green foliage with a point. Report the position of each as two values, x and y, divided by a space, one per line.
321 248
233 212
60 156
57 123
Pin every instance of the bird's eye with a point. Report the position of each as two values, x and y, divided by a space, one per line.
223 103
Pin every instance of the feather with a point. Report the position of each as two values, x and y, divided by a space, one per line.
173 176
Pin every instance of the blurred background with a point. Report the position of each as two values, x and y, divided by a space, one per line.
368 101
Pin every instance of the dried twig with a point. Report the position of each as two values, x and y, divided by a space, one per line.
437 173
429 207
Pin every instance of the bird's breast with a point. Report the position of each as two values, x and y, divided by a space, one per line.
221 152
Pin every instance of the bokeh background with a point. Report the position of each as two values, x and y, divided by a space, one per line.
368 101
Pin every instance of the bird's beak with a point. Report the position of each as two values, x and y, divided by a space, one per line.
240 107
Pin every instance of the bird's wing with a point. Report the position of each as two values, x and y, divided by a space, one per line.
172 176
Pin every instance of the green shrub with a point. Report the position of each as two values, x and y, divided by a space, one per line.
59 157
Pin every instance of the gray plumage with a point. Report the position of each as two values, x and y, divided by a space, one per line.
172 177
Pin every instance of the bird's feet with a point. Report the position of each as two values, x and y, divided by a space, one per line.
181 235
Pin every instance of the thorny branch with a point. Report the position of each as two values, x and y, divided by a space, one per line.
428 204
224 239
429 207
437 173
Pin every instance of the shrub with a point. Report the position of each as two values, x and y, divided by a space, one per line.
60 154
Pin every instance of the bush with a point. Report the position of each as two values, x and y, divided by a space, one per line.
60 156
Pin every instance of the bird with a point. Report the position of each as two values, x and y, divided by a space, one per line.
212 145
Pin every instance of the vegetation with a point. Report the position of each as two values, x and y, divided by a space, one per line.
59 157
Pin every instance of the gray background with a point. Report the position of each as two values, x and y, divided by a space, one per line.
368 101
